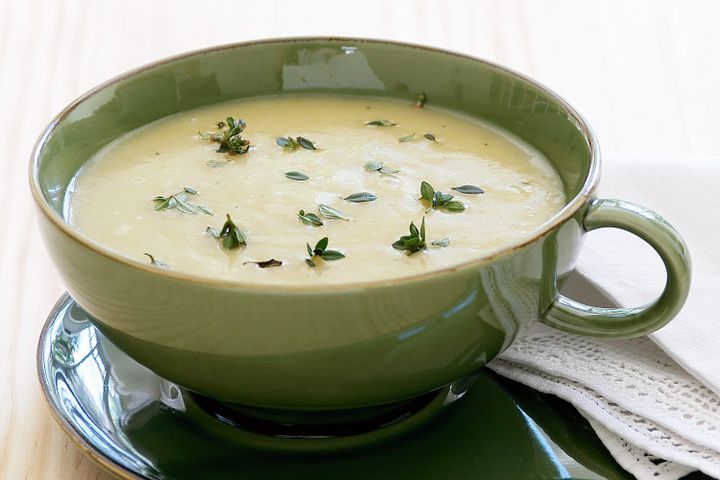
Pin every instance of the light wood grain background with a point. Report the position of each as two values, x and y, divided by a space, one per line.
646 74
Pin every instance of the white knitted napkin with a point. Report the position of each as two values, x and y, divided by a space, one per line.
653 401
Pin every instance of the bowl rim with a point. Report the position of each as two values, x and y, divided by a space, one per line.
571 207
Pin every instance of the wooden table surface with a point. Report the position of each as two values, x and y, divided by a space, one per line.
646 74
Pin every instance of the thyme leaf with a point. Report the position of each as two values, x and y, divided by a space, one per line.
381 123
299 176
266 263
441 243
469 189
454 206
361 197
427 192
305 143
373 166
332 213
216 163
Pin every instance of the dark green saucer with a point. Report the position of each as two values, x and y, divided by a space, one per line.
138 425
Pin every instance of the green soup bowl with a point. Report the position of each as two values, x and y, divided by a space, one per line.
349 346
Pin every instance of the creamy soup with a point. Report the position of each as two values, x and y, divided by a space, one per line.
157 189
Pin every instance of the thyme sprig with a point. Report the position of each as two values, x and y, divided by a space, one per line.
230 236
230 140
154 261
414 242
290 143
309 218
376 166
180 201
321 252
439 200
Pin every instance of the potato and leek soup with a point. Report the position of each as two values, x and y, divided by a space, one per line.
313 189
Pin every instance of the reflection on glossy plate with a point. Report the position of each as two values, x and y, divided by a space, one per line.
138 425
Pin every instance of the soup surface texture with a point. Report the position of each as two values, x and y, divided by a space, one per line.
111 197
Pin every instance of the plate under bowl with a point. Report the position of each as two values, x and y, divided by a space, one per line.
137 425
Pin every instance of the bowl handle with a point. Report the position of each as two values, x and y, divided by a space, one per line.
576 317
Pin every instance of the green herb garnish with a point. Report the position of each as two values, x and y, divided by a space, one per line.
421 99
230 235
407 138
321 251
293 143
287 142
305 143
438 199
332 213
361 197
414 242
375 166
156 262
296 176
381 123
309 218
469 189
230 140
180 201
441 243
430 137
266 263
217 163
